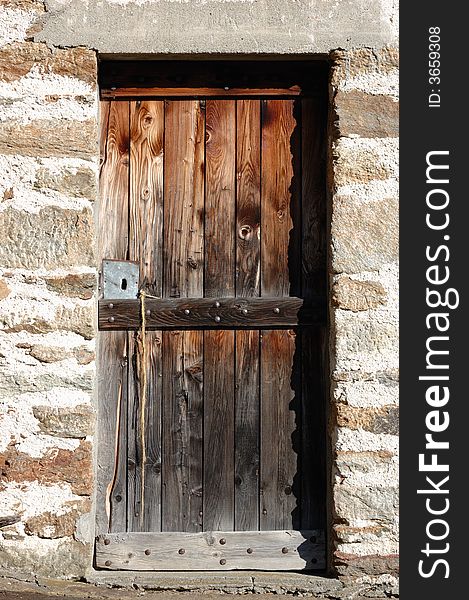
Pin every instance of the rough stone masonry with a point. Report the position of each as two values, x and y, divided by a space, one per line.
48 173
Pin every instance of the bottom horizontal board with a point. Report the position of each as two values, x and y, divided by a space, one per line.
212 550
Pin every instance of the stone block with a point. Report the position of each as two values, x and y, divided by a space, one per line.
43 137
366 503
4 290
79 285
17 59
366 115
51 238
352 63
384 419
354 295
68 422
78 183
74 467
365 235
364 160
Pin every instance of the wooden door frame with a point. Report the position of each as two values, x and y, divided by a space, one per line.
133 91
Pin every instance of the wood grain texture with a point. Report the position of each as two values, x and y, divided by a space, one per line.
220 193
278 424
314 278
218 430
145 246
114 182
248 209
182 431
247 431
278 124
313 428
111 510
183 255
204 92
146 192
170 313
112 346
213 550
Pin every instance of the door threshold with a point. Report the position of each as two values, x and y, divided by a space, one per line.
227 581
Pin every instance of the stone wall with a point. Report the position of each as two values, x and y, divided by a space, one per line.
364 417
48 166
48 171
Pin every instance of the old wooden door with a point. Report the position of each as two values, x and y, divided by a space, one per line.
219 462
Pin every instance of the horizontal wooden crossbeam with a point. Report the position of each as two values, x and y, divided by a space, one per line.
145 92
214 550
213 313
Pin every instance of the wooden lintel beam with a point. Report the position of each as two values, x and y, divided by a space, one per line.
196 313
170 92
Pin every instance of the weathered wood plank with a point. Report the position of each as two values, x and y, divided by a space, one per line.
183 254
220 193
146 192
205 92
314 279
247 431
169 313
279 466
114 183
212 550
313 429
182 431
278 269
145 246
248 217
111 507
218 430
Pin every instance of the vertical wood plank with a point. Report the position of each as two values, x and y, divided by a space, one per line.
248 217
220 262
145 246
218 430
183 253
247 431
183 268
111 508
279 269
182 431
279 461
313 198
220 192
313 429
146 192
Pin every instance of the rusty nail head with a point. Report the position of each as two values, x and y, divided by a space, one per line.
107 542
187 311
217 319
217 304
223 561
249 550
276 310
222 541
284 550
181 551
147 552
108 563
111 319
111 305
